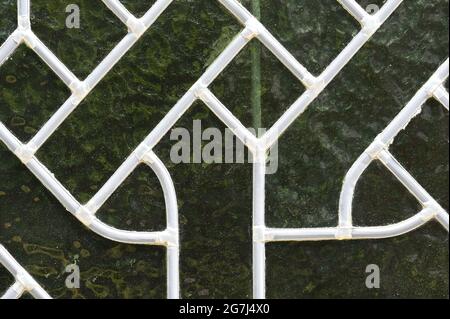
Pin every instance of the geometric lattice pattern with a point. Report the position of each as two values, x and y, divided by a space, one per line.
143 154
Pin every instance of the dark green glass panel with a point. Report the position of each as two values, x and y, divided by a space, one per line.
215 199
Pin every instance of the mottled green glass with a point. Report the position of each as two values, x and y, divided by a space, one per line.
215 199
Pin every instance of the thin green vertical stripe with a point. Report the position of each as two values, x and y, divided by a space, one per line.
256 72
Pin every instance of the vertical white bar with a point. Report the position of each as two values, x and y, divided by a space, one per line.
259 249
170 198
173 273
23 8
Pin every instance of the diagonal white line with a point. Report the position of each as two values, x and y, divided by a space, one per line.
143 154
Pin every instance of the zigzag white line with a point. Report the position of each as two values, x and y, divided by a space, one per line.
143 154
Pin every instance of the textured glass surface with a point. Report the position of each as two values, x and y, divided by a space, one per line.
215 199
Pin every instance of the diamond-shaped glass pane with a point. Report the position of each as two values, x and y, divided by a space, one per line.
81 48
41 93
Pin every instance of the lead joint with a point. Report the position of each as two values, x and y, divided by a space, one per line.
25 280
136 26
252 29
170 237
142 153
149 157
430 211
259 234
85 216
79 90
370 25
259 155
18 36
314 85
433 86
376 148
25 153
344 233
251 141
200 91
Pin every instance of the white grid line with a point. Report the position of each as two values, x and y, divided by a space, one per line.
143 154
24 282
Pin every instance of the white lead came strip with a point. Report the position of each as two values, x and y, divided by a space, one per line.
24 282
252 29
